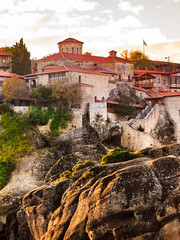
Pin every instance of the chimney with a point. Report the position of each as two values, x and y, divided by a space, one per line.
112 53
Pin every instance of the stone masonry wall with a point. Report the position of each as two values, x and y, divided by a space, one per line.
150 121
98 113
173 108
135 140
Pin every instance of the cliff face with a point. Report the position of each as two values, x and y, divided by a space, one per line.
138 200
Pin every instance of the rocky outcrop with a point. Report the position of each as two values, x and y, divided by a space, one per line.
29 174
128 91
165 150
164 129
138 199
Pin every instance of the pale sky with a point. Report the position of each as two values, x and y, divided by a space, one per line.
103 25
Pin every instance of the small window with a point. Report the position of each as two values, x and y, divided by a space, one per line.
72 50
79 79
77 50
164 81
67 50
119 77
95 98
158 79
129 78
179 112
4 60
103 98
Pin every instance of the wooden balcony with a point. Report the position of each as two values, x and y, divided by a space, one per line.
4 65
144 84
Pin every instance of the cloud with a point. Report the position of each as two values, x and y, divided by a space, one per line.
54 5
128 6
161 50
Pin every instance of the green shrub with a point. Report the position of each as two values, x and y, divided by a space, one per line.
13 144
88 174
4 108
116 155
80 165
65 175
60 119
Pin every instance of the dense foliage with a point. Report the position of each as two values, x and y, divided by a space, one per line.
13 144
124 107
116 155
59 117
14 141
14 88
20 59
41 93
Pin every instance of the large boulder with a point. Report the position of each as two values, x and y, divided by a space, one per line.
124 89
138 199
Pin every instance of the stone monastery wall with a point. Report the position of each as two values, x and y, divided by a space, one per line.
135 140
149 122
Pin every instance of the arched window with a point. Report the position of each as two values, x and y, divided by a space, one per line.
72 50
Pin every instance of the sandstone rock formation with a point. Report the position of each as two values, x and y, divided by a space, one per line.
29 174
137 200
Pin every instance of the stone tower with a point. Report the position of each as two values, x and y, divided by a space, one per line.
70 45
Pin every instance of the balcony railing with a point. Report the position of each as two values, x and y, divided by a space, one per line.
6 65
144 84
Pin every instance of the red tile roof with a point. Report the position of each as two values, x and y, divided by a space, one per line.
115 59
2 53
70 40
161 94
137 72
140 89
84 57
116 103
104 70
65 69
9 75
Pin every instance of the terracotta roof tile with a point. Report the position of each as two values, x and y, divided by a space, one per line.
2 53
64 69
9 75
82 57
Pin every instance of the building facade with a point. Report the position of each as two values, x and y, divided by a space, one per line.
5 61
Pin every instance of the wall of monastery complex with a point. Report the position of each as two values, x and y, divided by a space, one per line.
173 108
98 113
135 140
150 121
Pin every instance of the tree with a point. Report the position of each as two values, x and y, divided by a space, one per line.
67 94
21 63
124 107
125 54
41 93
14 88
141 60
20 59
88 53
